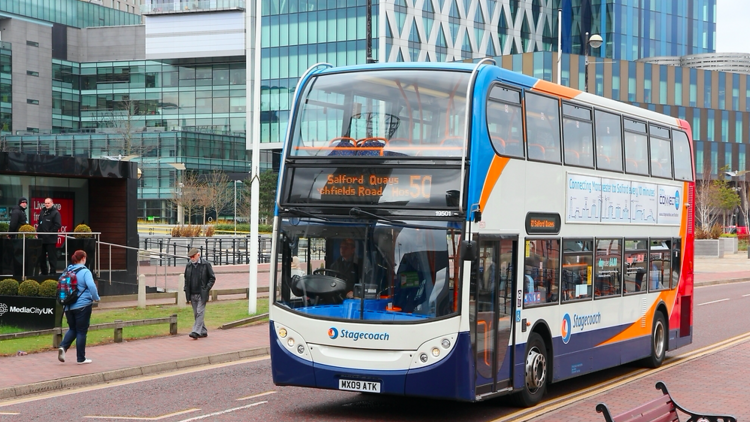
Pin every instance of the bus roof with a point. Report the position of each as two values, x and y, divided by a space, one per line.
525 81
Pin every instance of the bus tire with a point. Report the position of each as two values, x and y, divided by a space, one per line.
535 372
658 342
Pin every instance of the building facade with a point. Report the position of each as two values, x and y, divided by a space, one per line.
223 72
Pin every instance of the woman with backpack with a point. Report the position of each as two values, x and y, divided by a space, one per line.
78 313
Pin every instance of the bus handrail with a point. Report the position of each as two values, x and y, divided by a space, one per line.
300 82
467 128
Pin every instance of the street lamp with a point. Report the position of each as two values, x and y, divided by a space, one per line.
595 41
235 207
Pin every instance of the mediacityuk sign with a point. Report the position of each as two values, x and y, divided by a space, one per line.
63 205
31 313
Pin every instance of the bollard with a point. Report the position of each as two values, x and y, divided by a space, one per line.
181 299
142 291
118 330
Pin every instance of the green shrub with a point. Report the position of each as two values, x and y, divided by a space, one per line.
28 288
4 227
81 229
9 287
243 227
728 235
28 228
48 288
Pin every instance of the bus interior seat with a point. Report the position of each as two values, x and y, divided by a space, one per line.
342 146
536 152
572 156
656 169
632 165
372 146
499 144
514 147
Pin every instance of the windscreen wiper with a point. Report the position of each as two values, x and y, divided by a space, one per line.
305 213
358 212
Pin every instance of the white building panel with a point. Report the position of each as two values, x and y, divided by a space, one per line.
188 35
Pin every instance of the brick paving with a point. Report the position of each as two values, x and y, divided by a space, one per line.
724 391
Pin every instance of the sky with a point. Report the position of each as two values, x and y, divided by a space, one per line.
732 26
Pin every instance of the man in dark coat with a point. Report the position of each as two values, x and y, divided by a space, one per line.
18 216
199 278
18 219
49 221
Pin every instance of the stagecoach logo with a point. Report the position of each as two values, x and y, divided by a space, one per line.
333 333
565 328
3 309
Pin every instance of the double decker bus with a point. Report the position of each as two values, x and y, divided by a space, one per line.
461 231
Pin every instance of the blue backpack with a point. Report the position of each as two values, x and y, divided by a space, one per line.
67 287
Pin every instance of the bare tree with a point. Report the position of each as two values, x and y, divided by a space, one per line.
216 193
706 200
190 191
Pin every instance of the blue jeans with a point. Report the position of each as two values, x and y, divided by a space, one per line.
78 324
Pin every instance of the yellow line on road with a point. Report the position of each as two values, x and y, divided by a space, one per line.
136 418
562 401
257 395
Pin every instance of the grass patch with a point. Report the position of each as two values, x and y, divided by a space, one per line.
217 313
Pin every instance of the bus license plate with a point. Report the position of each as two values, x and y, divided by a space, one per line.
364 386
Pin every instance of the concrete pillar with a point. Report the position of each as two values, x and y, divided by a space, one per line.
142 291
181 299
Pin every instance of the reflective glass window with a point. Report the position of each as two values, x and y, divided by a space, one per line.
608 141
577 269
542 128
540 273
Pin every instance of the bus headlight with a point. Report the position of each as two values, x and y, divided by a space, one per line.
423 357
435 352
282 332
290 342
445 343
300 349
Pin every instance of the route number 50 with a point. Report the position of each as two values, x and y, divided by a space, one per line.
420 186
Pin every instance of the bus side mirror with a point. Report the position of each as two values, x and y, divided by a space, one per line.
468 250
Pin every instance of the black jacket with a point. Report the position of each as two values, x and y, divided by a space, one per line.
17 218
207 278
49 221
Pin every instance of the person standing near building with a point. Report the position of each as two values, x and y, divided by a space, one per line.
49 221
18 216
78 314
18 219
199 278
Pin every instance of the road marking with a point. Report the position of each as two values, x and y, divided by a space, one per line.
746 295
256 395
132 380
9 413
137 418
603 387
223 412
713 301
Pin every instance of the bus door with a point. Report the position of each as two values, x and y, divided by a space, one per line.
492 326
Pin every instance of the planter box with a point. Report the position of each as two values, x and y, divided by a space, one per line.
713 248
87 245
29 312
12 259
730 244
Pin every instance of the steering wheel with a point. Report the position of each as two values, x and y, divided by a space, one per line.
324 271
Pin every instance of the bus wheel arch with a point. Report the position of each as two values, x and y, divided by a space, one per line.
659 338
537 367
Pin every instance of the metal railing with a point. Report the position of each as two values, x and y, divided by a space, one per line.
24 238
219 250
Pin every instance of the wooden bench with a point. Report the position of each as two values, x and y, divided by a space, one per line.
662 409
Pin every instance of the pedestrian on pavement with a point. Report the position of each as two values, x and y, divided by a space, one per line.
49 221
199 278
79 313
18 219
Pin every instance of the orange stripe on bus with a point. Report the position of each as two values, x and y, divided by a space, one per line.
555 89
638 328
493 174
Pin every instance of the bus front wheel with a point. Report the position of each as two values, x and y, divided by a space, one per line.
658 342
536 370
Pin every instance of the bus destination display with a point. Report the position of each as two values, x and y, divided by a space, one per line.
390 186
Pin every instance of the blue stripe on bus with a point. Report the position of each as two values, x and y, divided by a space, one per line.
451 378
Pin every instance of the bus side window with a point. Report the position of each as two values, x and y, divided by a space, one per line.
661 152
636 266
608 141
683 158
504 122
577 268
543 128
540 275
577 136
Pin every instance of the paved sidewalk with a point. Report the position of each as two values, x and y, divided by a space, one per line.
39 372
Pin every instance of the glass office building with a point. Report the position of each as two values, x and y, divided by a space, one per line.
6 95
75 13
